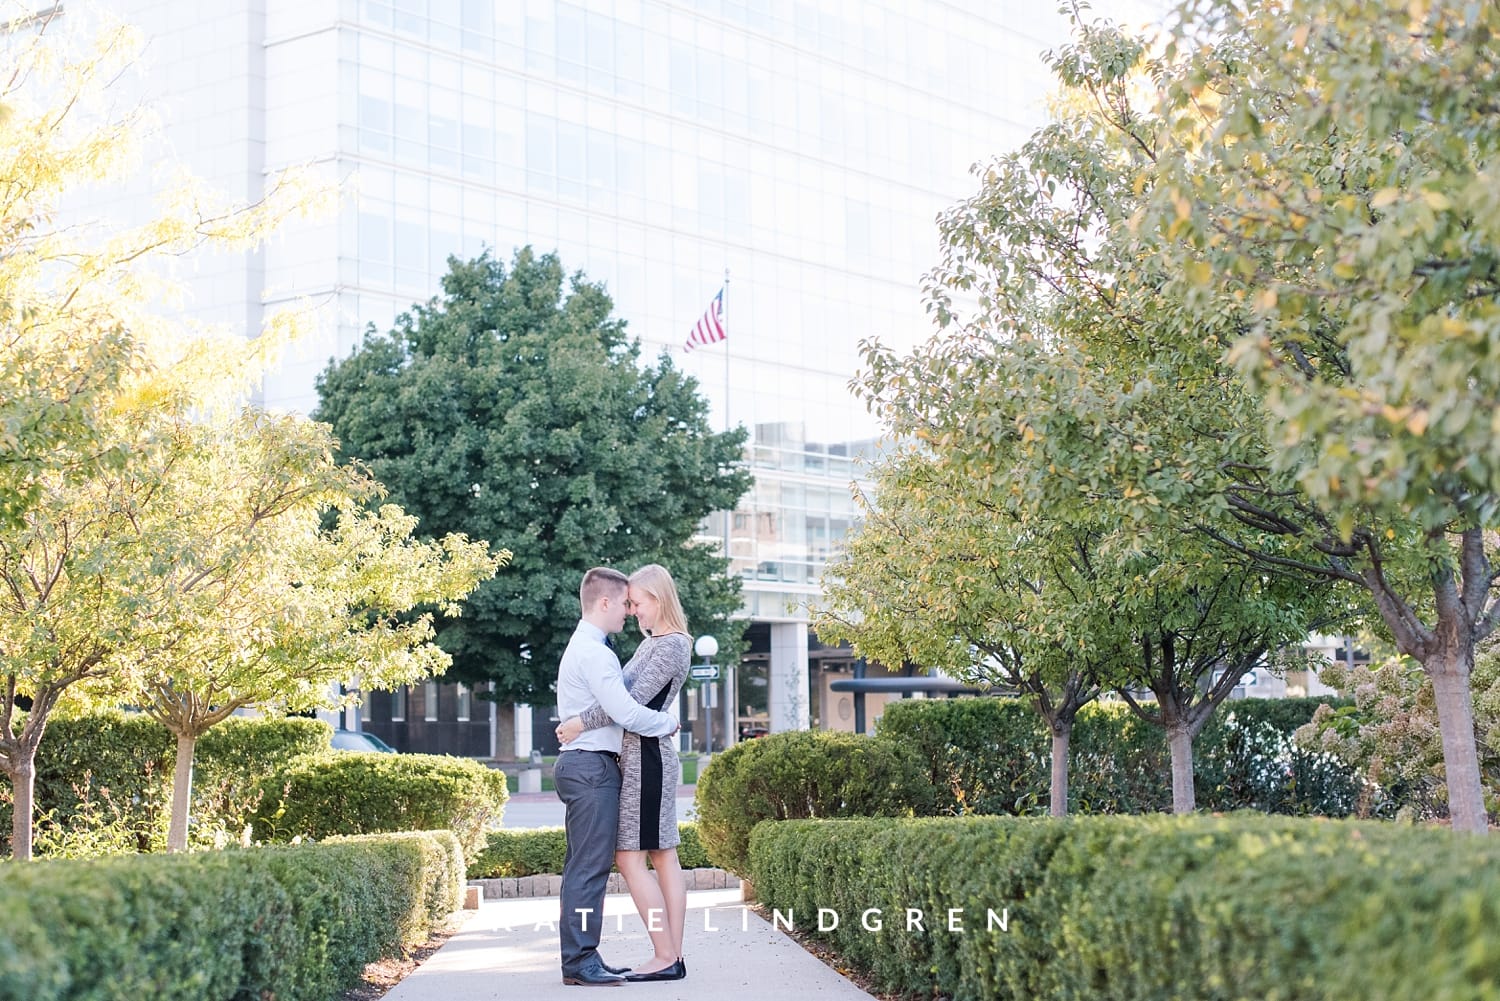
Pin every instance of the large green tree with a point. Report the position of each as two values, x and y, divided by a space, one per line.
515 408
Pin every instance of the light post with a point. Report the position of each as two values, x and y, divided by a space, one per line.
706 647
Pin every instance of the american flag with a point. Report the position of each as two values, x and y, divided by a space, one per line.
710 326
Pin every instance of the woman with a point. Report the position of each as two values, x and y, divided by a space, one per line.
648 769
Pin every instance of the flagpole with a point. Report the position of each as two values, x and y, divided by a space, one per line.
731 679
728 515
726 362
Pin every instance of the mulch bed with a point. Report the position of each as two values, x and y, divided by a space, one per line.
381 975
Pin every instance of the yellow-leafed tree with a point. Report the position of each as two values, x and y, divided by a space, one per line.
160 544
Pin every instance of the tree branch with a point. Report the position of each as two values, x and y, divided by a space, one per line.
1259 556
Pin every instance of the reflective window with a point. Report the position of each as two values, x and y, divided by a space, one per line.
684 62
540 43
409 16
806 146
572 43
541 154
478 22
571 161
601 52
629 75
374 238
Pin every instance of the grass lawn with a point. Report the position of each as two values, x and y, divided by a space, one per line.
513 783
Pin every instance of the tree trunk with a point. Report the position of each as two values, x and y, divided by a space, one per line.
1455 706
1180 741
23 788
1062 735
182 794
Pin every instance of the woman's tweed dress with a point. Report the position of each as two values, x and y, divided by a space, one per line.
648 765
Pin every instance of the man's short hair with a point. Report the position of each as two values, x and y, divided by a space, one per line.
599 582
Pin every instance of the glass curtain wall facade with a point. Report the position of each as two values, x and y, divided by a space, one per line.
802 147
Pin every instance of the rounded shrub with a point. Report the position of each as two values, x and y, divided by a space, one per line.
316 796
804 774
235 756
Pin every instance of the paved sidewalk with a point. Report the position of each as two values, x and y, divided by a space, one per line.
508 949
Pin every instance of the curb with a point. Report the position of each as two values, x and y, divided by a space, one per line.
550 885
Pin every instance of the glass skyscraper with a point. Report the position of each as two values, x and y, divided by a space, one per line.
801 147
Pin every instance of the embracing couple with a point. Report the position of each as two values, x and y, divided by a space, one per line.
617 772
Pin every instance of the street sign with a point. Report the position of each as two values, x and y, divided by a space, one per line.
704 672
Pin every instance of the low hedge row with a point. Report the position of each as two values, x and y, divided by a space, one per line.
343 792
534 852
993 756
816 773
106 776
103 787
1222 908
294 923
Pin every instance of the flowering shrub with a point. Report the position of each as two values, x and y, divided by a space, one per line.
1391 734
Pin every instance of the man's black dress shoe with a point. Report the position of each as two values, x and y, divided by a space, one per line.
676 971
592 974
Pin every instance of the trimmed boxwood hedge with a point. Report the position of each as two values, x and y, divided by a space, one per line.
1222 908
817 773
296 923
115 768
232 759
534 852
993 756
365 793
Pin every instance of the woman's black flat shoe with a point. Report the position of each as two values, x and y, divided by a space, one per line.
676 971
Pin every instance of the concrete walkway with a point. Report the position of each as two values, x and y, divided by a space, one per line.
508 949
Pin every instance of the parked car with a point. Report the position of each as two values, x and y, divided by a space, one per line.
357 740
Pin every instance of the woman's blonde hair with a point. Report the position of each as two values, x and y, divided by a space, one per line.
654 579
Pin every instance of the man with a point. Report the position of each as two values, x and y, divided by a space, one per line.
587 775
